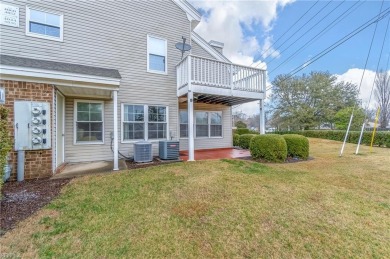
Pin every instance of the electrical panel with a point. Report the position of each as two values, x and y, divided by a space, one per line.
32 125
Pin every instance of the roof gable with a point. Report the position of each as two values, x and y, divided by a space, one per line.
192 14
207 47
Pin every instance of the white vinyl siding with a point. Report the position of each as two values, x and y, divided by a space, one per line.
85 152
197 50
89 39
43 24
89 125
144 122
157 55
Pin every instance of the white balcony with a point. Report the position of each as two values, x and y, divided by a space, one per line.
214 81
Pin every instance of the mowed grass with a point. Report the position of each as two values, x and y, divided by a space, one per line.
323 208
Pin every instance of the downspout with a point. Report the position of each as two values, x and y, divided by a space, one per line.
115 97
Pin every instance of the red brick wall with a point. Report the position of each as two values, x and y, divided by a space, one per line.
38 163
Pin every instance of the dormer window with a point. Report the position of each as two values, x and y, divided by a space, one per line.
43 24
157 55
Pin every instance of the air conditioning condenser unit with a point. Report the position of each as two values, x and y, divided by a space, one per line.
143 152
169 150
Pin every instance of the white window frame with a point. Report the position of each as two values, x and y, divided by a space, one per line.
186 111
37 35
75 123
146 123
220 112
123 122
147 55
209 124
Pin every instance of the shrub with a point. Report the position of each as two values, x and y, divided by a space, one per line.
387 142
269 147
241 131
236 140
5 143
297 145
353 137
245 140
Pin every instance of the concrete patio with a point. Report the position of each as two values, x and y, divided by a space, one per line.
100 167
81 169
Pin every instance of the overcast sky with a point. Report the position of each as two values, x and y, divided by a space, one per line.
263 34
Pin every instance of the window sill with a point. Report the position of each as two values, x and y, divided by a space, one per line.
157 72
138 140
87 143
35 35
203 138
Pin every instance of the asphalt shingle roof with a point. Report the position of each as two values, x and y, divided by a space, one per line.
58 66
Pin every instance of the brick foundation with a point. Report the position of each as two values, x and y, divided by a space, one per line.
38 163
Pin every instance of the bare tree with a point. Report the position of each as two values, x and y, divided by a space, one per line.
382 96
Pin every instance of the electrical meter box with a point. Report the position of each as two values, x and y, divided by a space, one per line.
32 125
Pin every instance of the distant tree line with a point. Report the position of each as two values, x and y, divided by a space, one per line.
319 101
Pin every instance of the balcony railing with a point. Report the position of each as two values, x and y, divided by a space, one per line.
213 73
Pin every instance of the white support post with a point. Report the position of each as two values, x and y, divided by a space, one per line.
190 106
262 111
262 117
115 140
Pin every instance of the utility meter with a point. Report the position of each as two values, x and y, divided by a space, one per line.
36 111
36 140
36 130
36 120
32 125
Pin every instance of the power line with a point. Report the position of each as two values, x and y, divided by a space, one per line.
339 42
372 88
364 26
285 32
361 80
322 32
388 59
377 66
322 9
308 22
307 31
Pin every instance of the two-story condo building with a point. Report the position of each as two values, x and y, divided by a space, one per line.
111 76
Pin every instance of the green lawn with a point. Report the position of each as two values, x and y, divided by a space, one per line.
326 207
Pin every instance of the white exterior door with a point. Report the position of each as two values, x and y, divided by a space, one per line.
60 115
